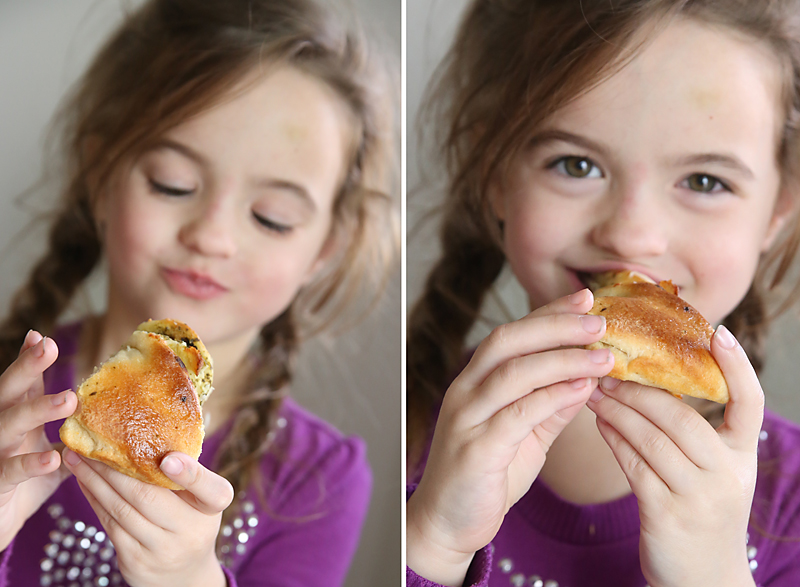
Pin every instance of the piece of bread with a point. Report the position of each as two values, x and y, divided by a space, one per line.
144 402
656 337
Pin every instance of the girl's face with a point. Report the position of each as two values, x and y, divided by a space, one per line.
668 168
222 223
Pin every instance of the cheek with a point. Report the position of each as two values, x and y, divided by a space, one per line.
133 234
724 264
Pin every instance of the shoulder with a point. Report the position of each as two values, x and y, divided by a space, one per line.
312 459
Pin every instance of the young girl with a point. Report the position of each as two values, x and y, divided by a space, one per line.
229 160
653 135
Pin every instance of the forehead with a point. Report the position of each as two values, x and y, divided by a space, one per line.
692 83
283 123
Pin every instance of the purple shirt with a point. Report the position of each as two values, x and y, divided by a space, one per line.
317 487
548 542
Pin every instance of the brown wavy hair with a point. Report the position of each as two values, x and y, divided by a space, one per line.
168 61
512 65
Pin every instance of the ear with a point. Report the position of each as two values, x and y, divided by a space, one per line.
785 207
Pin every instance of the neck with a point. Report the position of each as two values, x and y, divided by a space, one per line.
580 453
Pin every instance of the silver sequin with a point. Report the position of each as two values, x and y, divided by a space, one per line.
281 423
63 557
90 531
104 569
518 580
248 507
55 536
101 581
79 526
753 565
51 550
45 580
100 536
227 530
69 541
241 549
751 552
46 564
106 553
73 573
506 565
536 581
763 435
551 584
252 521
77 557
55 510
238 523
243 537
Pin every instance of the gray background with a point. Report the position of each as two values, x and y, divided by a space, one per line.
430 28
44 46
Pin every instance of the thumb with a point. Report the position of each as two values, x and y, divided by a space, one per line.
205 490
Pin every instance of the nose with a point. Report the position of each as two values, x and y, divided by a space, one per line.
632 224
210 229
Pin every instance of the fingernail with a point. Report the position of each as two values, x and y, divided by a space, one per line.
38 350
596 396
578 297
46 457
600 356
724 337
578 383
59 398
171 465
71 457
592 324
609 383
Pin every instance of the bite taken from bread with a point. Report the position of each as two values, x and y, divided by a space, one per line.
144 402
657 338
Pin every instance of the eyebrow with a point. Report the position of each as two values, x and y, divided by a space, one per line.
281 184
731 162
549 135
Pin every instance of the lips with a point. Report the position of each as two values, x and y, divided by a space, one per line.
193 285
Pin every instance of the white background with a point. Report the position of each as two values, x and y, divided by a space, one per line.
44 46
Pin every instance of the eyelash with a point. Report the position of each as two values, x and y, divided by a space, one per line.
562 161
560 165
167 190
175 192
271 225
715 180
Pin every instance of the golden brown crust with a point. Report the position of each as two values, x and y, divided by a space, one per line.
657 338
138 406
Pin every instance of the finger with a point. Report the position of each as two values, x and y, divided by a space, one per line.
641 477
120 510
684 425
19 420
520 376
30 339
205 490
649 442
513 424
21 468
560 323
118 535
744 413
25 373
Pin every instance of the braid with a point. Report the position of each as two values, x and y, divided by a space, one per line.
441 319
251 433
73 251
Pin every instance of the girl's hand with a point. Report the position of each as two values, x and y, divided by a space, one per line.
29 465
161 537
694 484
497 422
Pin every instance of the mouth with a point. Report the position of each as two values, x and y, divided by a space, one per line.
191 284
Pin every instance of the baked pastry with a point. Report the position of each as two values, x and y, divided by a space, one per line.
144 402
657 339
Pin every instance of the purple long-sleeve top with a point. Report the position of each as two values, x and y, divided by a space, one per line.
548 542
318 485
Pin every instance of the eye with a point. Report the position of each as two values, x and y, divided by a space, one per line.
706 184
578 167
168 190
272 225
